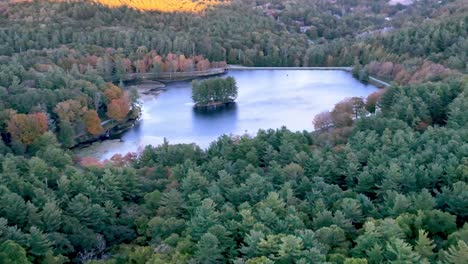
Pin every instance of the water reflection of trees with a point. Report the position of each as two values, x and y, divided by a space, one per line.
209 121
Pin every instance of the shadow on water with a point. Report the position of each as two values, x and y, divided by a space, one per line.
214 112
209 121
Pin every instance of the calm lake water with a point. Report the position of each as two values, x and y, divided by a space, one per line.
267 99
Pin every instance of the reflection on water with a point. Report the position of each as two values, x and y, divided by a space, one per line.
267 99
224 118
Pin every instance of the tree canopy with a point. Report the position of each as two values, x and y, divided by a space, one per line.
214 91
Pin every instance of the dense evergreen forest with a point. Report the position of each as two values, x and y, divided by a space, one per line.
383 179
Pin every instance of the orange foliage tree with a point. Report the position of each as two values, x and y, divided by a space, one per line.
158 64
172 63
26 128
203 65
112 92
118 109
93 122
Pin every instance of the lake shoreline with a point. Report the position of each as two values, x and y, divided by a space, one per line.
112 133
212 106
268 99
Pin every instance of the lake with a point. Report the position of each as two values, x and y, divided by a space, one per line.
267 99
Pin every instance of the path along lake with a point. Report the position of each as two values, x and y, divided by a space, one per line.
267 99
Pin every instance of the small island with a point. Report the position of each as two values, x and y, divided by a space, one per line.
214 92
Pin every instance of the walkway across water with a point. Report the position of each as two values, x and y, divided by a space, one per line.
237 67
170 76
167 76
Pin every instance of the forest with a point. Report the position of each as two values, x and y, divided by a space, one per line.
382 179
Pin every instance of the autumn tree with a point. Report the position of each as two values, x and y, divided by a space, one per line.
158 64
70 110
118 109
372 99
26 128
342 114
112 92
93 122
203 65
171 63
323 120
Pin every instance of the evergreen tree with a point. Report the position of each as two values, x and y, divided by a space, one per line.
456 254
208 250
38 242
424 245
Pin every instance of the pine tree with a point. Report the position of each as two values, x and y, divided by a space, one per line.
424 245
205 217
51 217
400 252
456 254
249 249
375 254
14 209
38 242
290 249
208 250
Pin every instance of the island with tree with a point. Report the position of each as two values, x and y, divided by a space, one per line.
214 92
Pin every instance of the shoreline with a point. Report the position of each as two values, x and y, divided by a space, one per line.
212 105
112 133
153 88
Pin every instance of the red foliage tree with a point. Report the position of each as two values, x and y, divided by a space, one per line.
90 162
120 161
118 109
91 60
